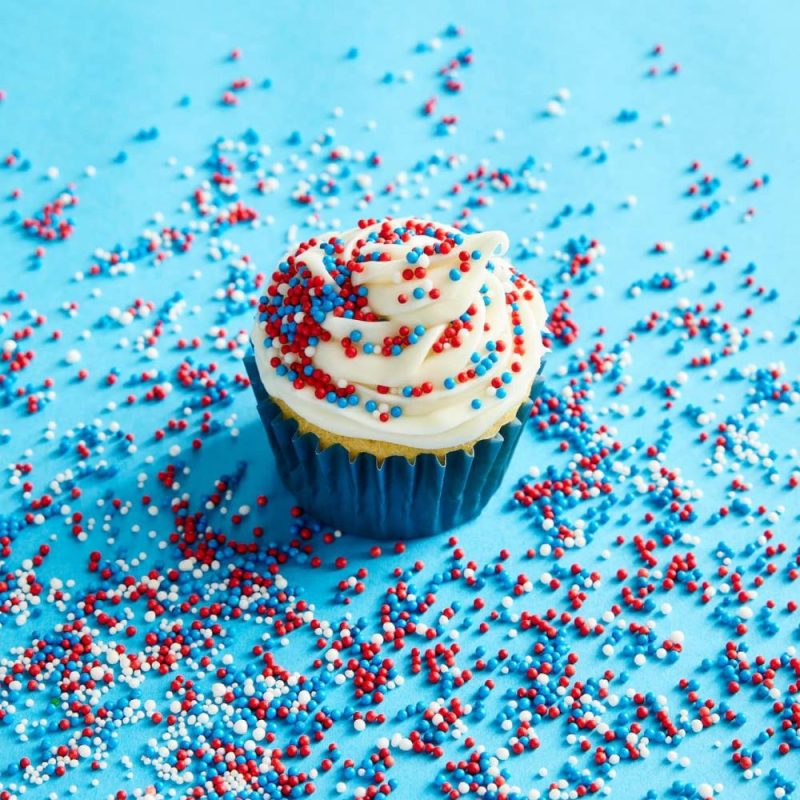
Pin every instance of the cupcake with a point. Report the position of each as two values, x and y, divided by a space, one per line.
394 367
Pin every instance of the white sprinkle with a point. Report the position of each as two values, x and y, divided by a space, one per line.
554 109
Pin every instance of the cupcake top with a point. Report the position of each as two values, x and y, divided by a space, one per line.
402 331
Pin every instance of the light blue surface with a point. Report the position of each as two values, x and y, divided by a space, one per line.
82 81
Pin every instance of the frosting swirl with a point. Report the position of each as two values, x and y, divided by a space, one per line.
401 331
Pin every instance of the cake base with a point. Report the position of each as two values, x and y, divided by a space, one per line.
382 450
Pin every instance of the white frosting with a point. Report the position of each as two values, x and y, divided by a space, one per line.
444 417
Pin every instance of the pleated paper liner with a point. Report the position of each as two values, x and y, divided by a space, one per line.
396 499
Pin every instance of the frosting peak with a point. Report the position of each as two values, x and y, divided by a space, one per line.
403 331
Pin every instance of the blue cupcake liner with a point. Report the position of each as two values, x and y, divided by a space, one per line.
397 499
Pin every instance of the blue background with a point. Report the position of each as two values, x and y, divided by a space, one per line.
82 80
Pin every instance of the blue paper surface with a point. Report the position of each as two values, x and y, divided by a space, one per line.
126 87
